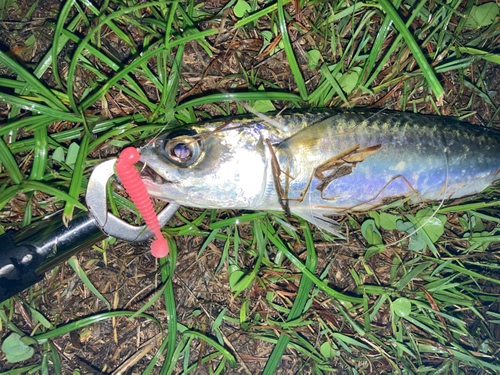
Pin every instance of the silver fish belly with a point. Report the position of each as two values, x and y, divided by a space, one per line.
322 163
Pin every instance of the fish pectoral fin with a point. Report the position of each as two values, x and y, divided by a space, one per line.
320 220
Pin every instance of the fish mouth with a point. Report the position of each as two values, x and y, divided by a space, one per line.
149 174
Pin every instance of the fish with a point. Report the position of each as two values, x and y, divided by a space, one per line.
321 163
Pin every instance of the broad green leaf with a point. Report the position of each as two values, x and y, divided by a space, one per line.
196 312
13 345
371 233
388 221
72 153
235 277
259 14
313 58
241 8
263 106
417 243
349 80
268 35
434 225
372 250
232 268
464 222
21 357
482 15
15 350
375 216
327 351
402 307
58 155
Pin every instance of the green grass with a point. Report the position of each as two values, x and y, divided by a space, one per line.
415 319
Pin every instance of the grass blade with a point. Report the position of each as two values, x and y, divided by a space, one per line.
237 220
297 263
377 45
83 44
148 304
480 53
167 271
47 59
61 20
429 75
261 247
76 179
22 370
299 303
292 61
261 13
411 275
215 344
8 194
329 77
73 262
85 322
56 360
31 80
42 120
239 96
41 154
10 163
42 109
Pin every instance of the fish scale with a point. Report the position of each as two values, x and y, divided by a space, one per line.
424 153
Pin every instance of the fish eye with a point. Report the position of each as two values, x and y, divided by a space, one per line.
183 150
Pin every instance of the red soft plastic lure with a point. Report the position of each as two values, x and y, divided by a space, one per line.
134 186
